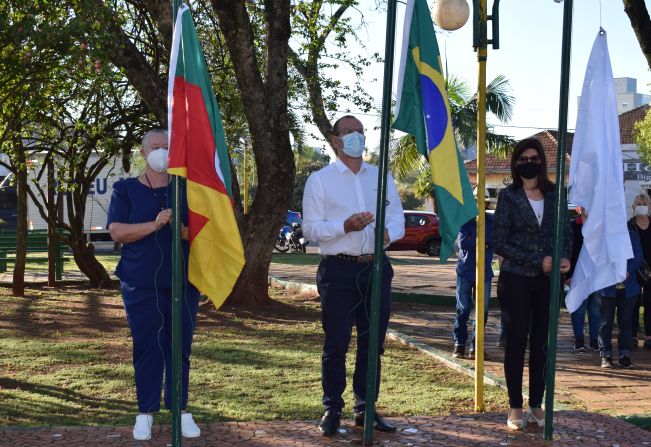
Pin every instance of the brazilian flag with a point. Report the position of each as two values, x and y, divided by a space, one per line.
423 110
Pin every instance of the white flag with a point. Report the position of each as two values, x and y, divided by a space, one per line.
597 182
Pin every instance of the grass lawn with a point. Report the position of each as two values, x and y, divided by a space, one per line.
313 259
110 261
295 258
65 359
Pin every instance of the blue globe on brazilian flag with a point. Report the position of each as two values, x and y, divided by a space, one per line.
423 110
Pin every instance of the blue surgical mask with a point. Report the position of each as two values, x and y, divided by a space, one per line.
354 144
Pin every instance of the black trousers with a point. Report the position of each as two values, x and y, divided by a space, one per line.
345 290
645 300
525 315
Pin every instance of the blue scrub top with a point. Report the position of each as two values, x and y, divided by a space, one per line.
146 263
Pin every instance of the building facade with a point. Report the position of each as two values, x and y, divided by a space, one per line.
637 173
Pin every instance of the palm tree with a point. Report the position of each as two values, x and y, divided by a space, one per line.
405 158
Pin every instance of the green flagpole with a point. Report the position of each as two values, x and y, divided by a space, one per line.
378 259
559 221
176 293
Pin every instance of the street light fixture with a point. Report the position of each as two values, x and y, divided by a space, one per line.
451 14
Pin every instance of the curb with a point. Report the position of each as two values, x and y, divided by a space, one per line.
451 362
431 351
446 359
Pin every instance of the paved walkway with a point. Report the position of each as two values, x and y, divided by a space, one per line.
413 274
572 428
580 381
581 384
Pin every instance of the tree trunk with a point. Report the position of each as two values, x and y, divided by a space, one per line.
270 136
18 286
51 227
641 23
84 254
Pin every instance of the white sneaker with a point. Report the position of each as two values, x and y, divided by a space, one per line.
142 429
188 427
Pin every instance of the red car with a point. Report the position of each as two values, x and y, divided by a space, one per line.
421 233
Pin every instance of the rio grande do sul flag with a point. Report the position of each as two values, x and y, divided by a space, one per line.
423 110
198 152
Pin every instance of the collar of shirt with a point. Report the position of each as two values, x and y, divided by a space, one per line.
341 166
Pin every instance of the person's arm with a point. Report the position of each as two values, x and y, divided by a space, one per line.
118 217
315 226
636 262
568 238
395 217
125 233
467 237
501 236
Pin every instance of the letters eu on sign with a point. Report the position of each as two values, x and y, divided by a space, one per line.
99 187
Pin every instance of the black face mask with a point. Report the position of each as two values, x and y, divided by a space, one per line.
528 170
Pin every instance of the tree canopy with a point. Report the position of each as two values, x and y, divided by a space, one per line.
82 77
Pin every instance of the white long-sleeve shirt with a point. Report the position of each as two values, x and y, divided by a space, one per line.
333 194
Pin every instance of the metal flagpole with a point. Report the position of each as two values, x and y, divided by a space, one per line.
559 220
177 255
480 42
480 273
378 259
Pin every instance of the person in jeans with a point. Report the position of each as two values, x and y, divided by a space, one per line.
522 235
590 304
623 297
466 266
640 221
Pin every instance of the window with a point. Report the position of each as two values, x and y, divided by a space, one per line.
415 220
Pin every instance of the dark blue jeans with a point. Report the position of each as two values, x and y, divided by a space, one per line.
624 306
465 303
149 312
591 305
345 291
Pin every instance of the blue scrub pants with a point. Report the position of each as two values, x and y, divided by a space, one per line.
149 312
345 289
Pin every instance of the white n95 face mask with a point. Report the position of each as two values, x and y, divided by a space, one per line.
642 210
157 160
354 144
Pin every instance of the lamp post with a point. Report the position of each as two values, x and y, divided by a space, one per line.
451 15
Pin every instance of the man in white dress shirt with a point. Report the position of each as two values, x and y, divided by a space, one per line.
339 209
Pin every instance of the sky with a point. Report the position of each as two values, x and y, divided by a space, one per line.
529 56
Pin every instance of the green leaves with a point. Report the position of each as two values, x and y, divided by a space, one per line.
404 156
642 133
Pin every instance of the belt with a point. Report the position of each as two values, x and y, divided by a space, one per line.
361 259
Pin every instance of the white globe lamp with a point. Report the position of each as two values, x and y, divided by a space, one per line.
451 14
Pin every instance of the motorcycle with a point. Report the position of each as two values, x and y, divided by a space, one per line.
290 238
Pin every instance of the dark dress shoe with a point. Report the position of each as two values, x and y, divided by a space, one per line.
379 423
330 423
